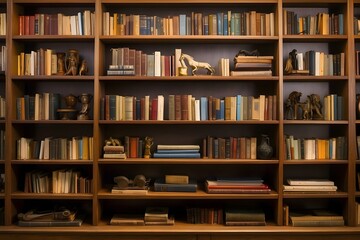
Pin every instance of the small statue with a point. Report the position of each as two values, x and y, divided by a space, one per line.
83 68
85 101
292 104
290 64
316 106
248 53
195 65
149 141
72 62
72 69
112 142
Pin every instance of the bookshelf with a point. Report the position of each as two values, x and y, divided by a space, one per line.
100 204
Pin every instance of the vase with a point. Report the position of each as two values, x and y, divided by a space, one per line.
264 150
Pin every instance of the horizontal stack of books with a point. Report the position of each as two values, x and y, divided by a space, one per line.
177 151
158 216
252 66
121 70
114 152
310 185
316 218
252 185
243 217
175 183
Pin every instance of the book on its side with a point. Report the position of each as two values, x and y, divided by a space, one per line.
312 182
161 186
127 219
52 223
309 188
176 155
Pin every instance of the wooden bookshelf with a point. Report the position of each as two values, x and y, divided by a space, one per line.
101 204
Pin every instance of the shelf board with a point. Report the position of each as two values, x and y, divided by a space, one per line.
309 78
185 122
189 78
53 78
41 122
188 1
187 38
22 195
54 38
49 162
185 161
315 195
315 122
314 162
54 1
314 38
105 194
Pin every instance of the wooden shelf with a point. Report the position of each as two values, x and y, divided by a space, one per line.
184 161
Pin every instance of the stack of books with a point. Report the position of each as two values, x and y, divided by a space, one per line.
243 217
158 216
175 183
310 185
252 66
127 219
121 70
316 218
114 152
255 185
177 151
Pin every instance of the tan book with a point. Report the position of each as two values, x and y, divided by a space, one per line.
176 179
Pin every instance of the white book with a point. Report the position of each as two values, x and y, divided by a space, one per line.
73 26
157 64
80 23
310 182
147 107
160 114
197 110
310 188
300 61
177 61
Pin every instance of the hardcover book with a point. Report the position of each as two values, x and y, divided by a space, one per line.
161 186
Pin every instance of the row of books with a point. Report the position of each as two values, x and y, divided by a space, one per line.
38 62
320 64
39 106
220 23
58 181
321 23
229 147
187 107
49 148
333 107
81 23
177 151
203 215
3 59
143 64
316 148
309 185
357 62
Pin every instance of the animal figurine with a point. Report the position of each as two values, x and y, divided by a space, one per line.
196 65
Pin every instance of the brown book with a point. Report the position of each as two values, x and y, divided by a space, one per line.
32 25
22 25
138 62
47 24
143 64
132 57
26 25
177 107
184 107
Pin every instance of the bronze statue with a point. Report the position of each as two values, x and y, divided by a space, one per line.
149 141
83 68
85 107
291 105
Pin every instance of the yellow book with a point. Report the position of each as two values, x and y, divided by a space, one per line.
85 148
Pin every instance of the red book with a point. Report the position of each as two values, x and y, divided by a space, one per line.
26 25
32 25
177 107
154 108
133 146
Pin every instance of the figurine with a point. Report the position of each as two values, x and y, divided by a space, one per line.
83 68
195 65
248 53
291 105
85 101
72 62
290 64
148 143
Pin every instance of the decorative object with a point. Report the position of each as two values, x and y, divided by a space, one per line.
60 63
85 100
196 65
291 105
243 52
149 141
310 109
291 66
72 62
264 150
83 68
123 182
68 113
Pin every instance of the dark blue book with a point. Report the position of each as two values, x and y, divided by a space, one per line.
161 186
178 151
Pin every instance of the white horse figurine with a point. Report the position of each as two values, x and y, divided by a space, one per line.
195 65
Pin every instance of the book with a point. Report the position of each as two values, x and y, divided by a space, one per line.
176 179
312 182
116 190
161 186
52 223
176 155
310 188
127 219
178 147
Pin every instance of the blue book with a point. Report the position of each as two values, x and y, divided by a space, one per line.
178 151
238 107
220 23
222 109
226 25
176 155
340 107
182 22
341 24
203 108
161 186
112 107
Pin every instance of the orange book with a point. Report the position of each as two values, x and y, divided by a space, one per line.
134 147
